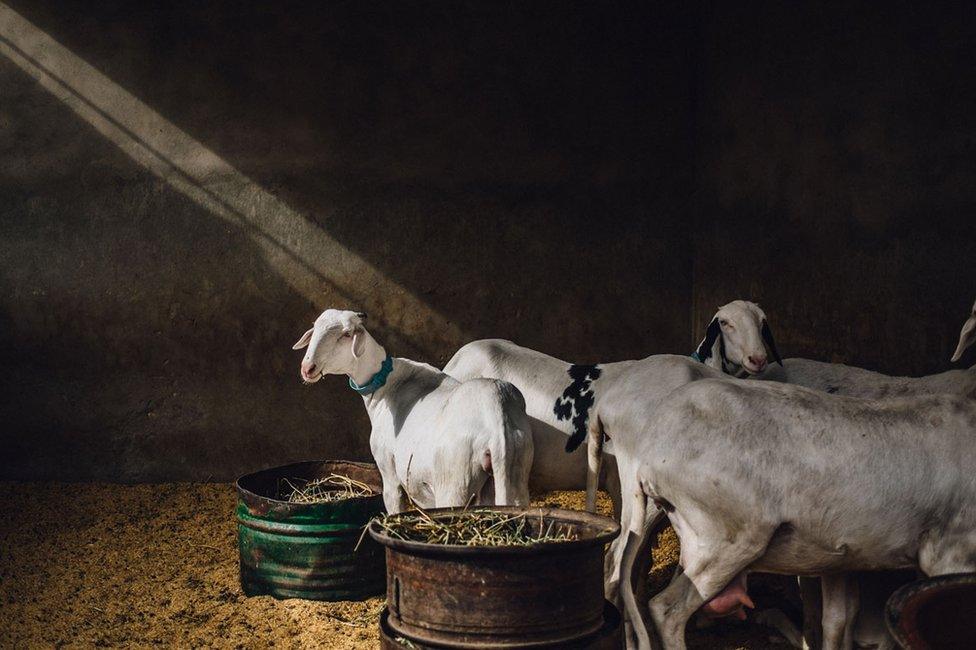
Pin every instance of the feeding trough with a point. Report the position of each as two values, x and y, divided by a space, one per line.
934 613
606 638
522 593
298 527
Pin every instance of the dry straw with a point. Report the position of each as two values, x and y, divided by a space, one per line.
477 527
334 487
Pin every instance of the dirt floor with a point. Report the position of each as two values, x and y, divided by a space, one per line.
86 565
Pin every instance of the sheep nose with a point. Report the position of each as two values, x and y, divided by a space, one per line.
758 362
308 368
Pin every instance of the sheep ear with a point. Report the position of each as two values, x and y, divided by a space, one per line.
767 335
358 342
714 330
966 337
303 342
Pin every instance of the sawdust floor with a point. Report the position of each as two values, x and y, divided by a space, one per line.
85 565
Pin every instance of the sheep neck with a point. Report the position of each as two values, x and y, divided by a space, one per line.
369 363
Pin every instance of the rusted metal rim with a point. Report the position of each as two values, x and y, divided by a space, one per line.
259 490
933 613
606 638
541 595
597 530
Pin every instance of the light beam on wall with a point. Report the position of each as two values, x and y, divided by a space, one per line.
305 256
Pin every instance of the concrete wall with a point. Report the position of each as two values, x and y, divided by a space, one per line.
182 190
836 178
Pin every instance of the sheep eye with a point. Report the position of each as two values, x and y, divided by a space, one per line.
723 323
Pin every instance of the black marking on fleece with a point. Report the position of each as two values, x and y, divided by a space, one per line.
767 335
575 402
704 350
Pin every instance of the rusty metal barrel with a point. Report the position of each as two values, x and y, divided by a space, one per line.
606 638
934 613
550 593
308 550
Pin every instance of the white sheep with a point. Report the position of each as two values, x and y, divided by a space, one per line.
857 382
736 339
851 381
763 476
560 396
566 400
435 440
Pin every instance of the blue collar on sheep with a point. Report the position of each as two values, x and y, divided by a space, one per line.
377 381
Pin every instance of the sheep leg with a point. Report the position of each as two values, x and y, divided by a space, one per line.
611 483
636 565
511 469
840 604
594 461
775 619
811 598
461 488
487 495
394 495
393 498
711 563
613 559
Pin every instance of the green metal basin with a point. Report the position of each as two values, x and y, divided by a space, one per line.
296 550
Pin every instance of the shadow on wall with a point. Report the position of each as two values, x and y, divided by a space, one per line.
515 167
304 255
139 331
135 321
150 291
520 168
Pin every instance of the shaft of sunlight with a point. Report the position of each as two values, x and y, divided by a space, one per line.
305 256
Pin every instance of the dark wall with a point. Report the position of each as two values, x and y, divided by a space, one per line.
459 170
588 182
836 177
